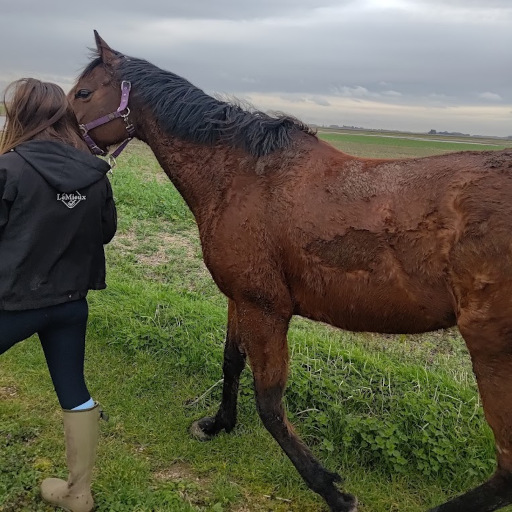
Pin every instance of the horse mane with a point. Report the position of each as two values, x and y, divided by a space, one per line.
185 111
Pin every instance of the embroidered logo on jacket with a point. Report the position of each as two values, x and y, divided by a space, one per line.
71 200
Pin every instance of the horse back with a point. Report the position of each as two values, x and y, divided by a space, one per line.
363 244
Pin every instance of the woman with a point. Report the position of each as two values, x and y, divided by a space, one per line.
56 212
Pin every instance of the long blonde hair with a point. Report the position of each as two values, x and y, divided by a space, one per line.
38 110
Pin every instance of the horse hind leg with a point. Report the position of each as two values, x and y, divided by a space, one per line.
492 495
234 363
489 341
263 334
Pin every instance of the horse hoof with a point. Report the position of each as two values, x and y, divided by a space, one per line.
353 507
351 502
345 503
199 429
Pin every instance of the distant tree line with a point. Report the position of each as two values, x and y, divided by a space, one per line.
458 134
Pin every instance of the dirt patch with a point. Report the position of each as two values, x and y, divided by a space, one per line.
128 241
124 242
191 487
179 472
183 473
154 252
8 392
166 240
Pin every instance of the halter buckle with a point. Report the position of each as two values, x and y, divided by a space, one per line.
112 162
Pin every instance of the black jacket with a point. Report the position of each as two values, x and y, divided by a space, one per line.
56 212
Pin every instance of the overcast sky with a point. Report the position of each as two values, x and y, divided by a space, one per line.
393 64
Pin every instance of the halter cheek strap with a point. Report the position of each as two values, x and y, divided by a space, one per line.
122 111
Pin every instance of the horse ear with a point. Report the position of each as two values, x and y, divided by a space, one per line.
106 53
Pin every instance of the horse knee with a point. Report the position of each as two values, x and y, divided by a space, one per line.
270 407
234 362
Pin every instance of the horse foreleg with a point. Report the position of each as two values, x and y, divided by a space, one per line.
234 363
263 334
490 345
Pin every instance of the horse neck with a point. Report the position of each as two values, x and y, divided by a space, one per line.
199 172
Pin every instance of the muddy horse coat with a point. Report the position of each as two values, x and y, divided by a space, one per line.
291 226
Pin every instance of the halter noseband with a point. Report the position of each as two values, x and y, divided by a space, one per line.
122 111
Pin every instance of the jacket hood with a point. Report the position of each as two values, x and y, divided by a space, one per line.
64 167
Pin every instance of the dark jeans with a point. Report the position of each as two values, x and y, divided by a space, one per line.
61 329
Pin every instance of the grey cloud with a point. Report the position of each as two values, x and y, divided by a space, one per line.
417 60
317 100
394 94
320 101
471 4
302 48
138 11
491 96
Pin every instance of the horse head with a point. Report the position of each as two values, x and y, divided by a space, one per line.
179 109
100 100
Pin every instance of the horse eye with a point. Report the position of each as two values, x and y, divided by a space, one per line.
82 94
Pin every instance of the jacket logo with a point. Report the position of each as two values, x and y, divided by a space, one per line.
71 200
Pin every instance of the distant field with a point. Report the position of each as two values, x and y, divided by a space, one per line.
401 145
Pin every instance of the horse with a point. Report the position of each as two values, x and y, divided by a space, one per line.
289 225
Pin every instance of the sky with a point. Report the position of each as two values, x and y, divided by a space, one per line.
412 65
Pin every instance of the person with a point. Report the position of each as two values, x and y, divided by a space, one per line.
56 213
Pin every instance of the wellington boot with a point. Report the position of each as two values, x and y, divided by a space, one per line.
81 432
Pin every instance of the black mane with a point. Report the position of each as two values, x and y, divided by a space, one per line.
185 111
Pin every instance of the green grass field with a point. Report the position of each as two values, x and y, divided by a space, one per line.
398 416
375 145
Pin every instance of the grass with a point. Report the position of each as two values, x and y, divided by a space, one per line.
407 145
398 416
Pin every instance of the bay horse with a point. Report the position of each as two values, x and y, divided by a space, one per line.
289 225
